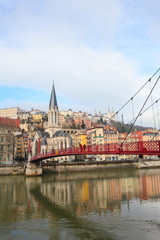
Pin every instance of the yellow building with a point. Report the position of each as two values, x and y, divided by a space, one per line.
37 117
21 147
79 139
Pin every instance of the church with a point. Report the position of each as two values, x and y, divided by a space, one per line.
53 137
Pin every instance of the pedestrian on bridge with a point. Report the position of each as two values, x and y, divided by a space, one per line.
81 148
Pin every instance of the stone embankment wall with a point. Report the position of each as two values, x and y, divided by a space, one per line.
11 170
148 164
63 167
70 167
87 166
81 166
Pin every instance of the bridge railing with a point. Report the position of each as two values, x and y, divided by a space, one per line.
148 147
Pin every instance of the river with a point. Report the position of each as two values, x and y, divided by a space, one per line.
99 205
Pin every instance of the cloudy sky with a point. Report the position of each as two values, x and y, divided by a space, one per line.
98 52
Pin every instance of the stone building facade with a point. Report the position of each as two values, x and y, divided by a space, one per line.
6 145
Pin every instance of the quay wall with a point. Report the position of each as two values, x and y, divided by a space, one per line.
11 170
80 166
83 167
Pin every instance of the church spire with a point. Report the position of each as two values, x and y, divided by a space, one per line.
53 99
53 112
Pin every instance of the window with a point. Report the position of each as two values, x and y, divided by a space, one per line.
1 147
1 139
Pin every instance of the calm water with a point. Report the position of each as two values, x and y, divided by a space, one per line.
114 204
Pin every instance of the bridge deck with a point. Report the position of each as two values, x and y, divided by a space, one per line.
132 148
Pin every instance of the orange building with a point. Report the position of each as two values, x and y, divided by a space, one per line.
8 122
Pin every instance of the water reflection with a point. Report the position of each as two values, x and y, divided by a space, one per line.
100 192
79 205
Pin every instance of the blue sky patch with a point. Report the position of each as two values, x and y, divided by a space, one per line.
22 94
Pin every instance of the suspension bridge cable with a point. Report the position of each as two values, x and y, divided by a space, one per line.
142 108
158 115
117 116
141 119
154 122
156 133
132 108
144 111
131 97
135 94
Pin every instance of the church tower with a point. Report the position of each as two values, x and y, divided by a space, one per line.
53 112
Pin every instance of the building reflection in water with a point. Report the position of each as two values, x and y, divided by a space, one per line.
88 194
84 196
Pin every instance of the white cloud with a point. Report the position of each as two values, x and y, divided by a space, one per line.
74 68
25 105
76 44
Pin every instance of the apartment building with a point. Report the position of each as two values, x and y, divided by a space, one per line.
151 135
24 115
21 147
95 136
110 136
10 112
6 145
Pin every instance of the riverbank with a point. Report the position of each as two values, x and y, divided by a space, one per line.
86 166
11 169
18 169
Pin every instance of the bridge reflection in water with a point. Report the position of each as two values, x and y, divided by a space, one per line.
92 205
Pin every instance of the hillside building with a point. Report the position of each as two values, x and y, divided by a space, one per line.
6 145
10 112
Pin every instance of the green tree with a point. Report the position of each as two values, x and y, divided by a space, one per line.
83 125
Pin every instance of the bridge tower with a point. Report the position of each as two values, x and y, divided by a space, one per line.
32 169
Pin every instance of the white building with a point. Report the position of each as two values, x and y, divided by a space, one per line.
10 112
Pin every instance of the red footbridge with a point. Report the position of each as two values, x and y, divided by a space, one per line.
131 148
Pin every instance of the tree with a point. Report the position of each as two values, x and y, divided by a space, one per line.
122 127
100 121
83 125
22 121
